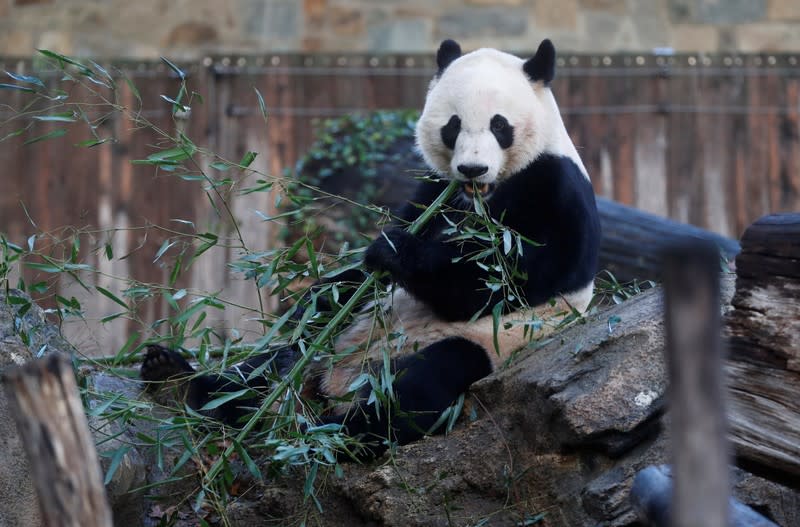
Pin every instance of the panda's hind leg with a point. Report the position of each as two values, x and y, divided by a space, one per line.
165 367
425 384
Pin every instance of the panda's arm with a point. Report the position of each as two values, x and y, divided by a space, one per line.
565 221
435 272
425 193
553 205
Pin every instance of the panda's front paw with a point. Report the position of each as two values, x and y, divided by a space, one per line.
387 252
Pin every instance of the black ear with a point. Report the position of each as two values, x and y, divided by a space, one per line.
542 67
449 51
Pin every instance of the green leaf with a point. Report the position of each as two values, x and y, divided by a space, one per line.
134 89
5 86
25 78
61 59
497 311
175 103
111 296
248 461
506 242
49 135
47 268
116 459
219 401
15 133
222 166
179 72
89 143
65 117
261 104
164 248
247 160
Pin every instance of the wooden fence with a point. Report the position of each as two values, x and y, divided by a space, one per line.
709 140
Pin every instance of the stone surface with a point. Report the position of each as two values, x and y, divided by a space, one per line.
561 432
388 35
556 14
714 12
767 37
189 29
192 34
476 22
18 501
782 10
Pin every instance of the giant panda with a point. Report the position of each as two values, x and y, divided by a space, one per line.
491 123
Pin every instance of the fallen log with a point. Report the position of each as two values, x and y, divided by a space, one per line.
763 329
43 398
633 241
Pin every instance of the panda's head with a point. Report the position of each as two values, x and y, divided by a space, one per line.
489 114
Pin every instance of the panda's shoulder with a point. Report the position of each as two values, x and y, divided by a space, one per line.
553 176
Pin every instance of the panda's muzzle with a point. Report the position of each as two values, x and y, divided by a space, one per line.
472 172
484 189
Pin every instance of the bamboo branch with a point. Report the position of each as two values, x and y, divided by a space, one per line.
324 335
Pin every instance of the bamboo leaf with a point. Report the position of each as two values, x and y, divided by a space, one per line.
116 459
26 78
111 296
65 117
179 72
49 135
261 104
5 86
219 401
248 159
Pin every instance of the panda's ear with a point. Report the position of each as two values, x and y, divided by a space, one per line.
449 50
542 67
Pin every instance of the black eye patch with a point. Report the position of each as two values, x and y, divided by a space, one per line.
502 131
450 132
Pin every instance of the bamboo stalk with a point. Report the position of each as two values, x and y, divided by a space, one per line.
324 335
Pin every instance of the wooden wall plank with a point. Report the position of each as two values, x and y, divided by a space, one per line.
717 146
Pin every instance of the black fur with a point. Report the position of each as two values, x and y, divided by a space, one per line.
450 131
542 67
502 131
427 383
550 202
449 50
161 364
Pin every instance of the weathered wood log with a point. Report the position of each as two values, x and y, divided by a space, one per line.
633 240
43 398
698 446
763 329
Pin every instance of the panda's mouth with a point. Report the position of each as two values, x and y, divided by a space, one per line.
484 189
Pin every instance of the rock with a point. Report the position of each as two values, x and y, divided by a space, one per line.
554 440
19 503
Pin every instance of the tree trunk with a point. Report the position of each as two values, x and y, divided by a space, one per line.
764 340
43 399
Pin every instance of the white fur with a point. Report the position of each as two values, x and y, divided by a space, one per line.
402 314
475 87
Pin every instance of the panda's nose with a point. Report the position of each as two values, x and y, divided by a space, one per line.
472 171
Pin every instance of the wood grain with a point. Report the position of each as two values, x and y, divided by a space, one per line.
43 398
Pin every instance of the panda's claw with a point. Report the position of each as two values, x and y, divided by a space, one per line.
384 253
161 364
